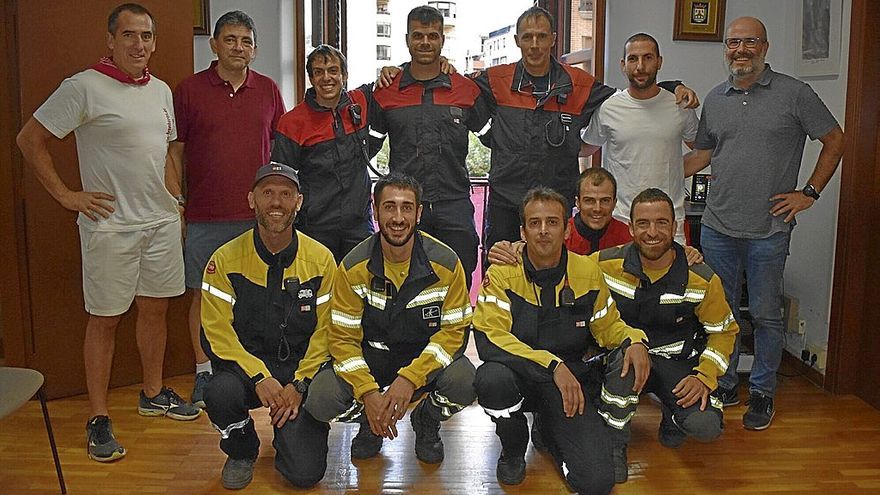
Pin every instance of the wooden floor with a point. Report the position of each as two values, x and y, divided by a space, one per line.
818 443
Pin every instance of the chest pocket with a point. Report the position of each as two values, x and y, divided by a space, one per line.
575 320
301 313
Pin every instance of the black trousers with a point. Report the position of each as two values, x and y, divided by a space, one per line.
502 224
619 402
452 222
341 241
300 445
580 445
449 391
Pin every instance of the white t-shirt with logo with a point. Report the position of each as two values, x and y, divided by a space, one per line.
122 134
641 146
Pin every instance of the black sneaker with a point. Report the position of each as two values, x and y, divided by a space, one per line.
670 435
728 396
618 460
429 447
167 403
102 446
537 437
365 444
198 395
510 470
760 413
237 473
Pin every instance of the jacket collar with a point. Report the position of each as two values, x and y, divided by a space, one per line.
283 258
216 80
418 262
440 81
677 274
560 80
765 80
312 101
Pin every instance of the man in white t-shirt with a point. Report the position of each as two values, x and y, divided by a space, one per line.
129 223
641 130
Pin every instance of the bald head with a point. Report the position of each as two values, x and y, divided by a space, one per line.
752 24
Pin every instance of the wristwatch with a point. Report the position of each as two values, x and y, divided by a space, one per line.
300 386
810 191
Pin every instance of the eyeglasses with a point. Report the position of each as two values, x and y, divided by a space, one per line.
733 43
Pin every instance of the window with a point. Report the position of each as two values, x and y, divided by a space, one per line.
383 30
383 52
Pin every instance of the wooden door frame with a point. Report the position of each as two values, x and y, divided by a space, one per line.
851 292
14 299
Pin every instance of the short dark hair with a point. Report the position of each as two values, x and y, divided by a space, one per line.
424 14
400 181
543 194
235 18
326 52
536 12
596 176
652 195
642 37
134 8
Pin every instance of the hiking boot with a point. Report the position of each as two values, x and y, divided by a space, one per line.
365 444
510 470
198 395
103 446
537 436
618 460
670 435
429 447
237 473
167 403
728 396
760 413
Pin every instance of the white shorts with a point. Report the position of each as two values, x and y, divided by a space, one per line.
117 266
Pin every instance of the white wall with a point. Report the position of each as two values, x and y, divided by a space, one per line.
275 29
808 274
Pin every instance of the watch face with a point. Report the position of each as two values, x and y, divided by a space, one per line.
810 191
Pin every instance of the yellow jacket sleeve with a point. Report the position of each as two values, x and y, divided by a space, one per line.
218 298
455 317
717 319
346 335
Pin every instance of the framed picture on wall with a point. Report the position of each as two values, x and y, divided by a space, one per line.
818 38
201 17
698 20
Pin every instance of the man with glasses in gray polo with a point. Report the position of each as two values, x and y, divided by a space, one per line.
753 129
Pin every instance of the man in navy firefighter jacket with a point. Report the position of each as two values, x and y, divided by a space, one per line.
427 114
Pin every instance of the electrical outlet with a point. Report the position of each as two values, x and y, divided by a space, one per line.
802 327
821 352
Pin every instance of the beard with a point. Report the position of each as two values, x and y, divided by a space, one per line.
741 71
394 242
647 84
655 252
275 226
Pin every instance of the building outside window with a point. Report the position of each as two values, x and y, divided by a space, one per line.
383 52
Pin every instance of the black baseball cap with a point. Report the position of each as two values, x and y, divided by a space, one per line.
275 168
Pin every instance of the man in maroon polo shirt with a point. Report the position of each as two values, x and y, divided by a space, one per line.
226 117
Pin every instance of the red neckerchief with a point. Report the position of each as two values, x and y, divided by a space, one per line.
109 68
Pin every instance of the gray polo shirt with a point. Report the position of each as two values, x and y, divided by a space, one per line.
757 139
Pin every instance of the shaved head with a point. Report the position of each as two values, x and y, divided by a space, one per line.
749 22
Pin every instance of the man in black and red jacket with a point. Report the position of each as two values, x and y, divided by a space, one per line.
427 115
325 139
